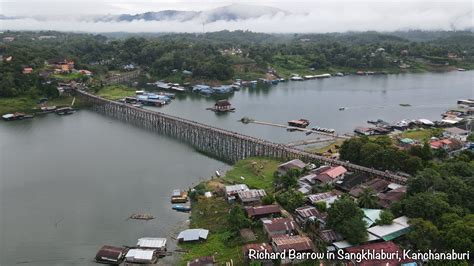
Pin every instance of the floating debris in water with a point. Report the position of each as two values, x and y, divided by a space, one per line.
142 216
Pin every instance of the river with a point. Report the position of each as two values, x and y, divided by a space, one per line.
365 98
68 184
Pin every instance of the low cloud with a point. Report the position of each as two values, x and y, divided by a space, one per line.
319 18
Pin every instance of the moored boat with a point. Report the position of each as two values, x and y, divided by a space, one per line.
65 110
181 208
179 196
16 116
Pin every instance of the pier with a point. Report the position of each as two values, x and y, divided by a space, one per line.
223 144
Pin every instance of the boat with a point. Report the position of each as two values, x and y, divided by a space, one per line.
48 109
181 208
16 116
65 111
342 108
405 104
142 216
296 78
179 196
301 123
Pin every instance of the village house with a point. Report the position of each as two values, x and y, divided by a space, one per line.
398 228
263 211
350 181
309 214
326 197
142 256
386 199
329 236
110 254
232 191
223 106
446 144
331 175
279 226
191 235
371 216
152 243
251 196
377 184
62 65
284 168
456 133
27 70
297 243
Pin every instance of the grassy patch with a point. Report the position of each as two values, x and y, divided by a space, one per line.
211 214
258 173
217 246
331 146
17 104
28 105
67 77
116 92
421 134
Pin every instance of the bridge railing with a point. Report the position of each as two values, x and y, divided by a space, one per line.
290 150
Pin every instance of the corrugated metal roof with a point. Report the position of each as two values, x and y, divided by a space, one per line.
151 242
388 232
251 194
298 243
236 188
193 234
263 210
140 254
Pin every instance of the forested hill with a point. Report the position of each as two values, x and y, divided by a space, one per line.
225 55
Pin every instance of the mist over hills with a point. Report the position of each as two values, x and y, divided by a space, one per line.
327 17
233 12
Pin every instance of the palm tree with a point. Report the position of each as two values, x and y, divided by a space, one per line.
368 198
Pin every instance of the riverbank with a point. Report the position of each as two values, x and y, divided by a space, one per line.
213 213
26 104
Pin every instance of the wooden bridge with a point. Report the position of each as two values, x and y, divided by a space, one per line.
220 143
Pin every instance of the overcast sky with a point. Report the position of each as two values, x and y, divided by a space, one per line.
306 15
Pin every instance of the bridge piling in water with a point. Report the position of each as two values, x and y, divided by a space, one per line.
223 144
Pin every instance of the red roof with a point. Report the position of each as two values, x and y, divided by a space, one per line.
440 143
387 247
263 210
335 172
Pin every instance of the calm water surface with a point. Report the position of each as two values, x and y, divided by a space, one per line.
365 98
67 184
